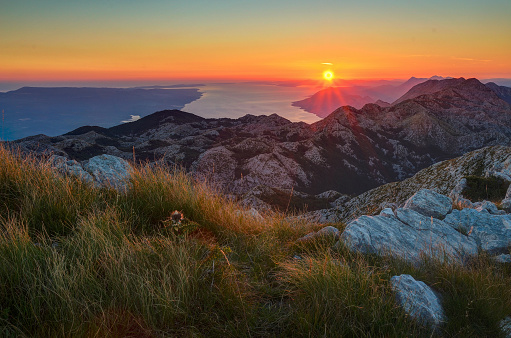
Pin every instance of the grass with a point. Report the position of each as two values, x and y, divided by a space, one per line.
82 261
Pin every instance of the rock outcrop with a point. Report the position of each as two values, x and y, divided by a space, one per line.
327 232
109 170
418 300
70 167
413 235
491 232
446 178
429 203
102 171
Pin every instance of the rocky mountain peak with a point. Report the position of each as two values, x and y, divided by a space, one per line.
460 85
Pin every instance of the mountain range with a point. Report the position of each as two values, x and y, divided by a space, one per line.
326 100
350 151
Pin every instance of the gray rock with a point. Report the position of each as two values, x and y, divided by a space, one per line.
508 193
339 202
408 235
387 212
429 203
309 237
388 205
506 204
488 206
251 213
326 232
70 167
505 325
456 192
418 300
108 170
329 194
492 233
503 258
462 203
321 216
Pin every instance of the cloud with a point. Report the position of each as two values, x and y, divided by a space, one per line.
470 59
327 63
132 119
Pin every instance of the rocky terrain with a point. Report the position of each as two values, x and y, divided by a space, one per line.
430 227
350 151
442 177
503 92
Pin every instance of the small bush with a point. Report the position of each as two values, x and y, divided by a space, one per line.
485 188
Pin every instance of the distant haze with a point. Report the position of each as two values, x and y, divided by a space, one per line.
265 39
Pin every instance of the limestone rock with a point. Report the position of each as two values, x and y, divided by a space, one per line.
387 212
492 233
489 207
456 192
503 258
329 194
70 167
339 202
506 204
409 236
108 170
326 232
321 216
505 325
429 203
418 300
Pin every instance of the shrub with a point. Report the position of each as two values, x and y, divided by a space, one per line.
485 188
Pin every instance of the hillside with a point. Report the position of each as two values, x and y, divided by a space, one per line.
81 260
350 151
441 177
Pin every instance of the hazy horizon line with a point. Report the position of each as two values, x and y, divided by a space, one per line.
10 85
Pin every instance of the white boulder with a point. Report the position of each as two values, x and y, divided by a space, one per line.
429 203
108 170
418 300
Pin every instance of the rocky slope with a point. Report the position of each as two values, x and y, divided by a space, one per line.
503 92
350 151
327 100
441 177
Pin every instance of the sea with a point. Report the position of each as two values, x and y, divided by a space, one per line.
235 100
50 116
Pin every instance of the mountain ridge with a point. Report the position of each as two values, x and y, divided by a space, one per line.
350 151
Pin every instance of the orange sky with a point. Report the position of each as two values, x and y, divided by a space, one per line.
123 40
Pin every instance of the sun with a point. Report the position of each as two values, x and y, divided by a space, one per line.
328 75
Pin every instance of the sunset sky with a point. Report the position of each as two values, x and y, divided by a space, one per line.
264 39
